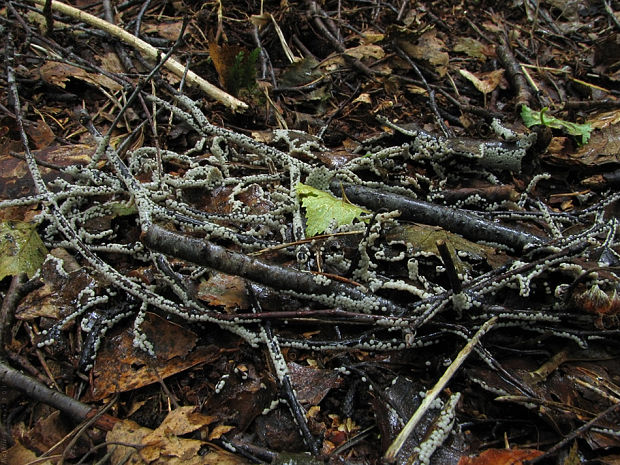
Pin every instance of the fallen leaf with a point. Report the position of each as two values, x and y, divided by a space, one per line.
121 367
224 290
220 430
18 454
58 74
322 209
484 82
428 47
501 457
473 48
21 249
532 118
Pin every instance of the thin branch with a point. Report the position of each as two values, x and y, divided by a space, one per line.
431 395
150 52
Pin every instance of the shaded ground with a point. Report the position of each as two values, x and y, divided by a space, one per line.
283 271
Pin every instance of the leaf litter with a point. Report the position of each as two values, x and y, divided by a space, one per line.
355 400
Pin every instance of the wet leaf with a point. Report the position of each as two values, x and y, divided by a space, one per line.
501 457
121 367
312 384
532 118
224 290
21 249
322 209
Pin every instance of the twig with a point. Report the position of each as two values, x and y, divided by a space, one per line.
431 395
37 391
315 11
7 311
447 132
150 52
448 263
611 13
208 254
515 74
574 434
452 219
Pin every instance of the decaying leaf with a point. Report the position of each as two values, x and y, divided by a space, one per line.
21 249
322 209
473 48
224 290
428 47
235 66
58 73
425 237
501 457
163 446
121 367
484 82
300 72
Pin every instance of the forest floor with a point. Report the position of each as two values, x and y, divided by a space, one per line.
310 232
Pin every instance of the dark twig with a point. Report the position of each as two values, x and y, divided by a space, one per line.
37 391
574 434
315 12
459 221
611 13
447 132
448 263
120 51
206 253
514 74
9 304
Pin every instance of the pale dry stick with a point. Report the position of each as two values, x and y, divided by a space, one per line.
431 395
150 52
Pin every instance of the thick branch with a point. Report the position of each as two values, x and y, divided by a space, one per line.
315 287
455 220
38 391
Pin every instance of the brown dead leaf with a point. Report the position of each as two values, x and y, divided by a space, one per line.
224 290
40 134
501 457
223 57
20 455
474 48
58 74
220 430
484 82
603 147
312 384
169 30
161 446
121 367
362 52
57 297
429 47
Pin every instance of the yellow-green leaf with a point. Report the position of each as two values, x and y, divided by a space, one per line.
531 118
21 249
323 209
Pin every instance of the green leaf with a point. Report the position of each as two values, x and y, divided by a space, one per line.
21 249
532 118
322 209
